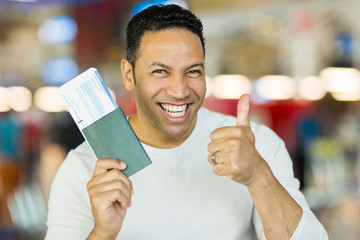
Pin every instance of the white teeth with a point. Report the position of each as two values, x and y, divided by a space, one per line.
174 111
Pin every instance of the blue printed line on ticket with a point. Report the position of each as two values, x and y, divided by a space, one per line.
87 98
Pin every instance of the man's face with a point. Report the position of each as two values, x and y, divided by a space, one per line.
170 82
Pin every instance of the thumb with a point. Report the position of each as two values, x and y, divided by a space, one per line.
243 111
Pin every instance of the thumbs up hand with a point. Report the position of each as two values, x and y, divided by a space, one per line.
243 108
234 147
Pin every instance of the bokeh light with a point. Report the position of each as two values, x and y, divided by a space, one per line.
57 30
276 87
311 88
209 86
48 99
346 96
267 25
4 99
20 98
230 86
59 70
341 80
145 4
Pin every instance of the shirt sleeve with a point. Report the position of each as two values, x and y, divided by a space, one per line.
280 163
69 211
309 228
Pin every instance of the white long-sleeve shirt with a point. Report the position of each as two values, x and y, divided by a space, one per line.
178 196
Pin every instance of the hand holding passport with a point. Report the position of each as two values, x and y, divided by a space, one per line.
102 123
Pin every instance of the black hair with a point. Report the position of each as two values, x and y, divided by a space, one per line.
156 18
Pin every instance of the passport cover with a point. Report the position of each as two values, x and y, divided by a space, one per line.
112 137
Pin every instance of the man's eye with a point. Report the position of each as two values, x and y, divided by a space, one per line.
194 73
159 72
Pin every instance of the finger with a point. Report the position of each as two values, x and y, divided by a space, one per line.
224 144
219 159
108 176
220 169
110 186
243 111
107 198
225 132
214 146
104 164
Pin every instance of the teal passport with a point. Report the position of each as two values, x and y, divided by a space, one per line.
112 137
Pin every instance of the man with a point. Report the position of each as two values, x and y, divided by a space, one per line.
247 189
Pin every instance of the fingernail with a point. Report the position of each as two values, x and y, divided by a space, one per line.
132 191
129 204
123 165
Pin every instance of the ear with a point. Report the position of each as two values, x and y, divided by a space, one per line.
127 75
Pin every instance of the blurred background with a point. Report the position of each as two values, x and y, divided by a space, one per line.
298 59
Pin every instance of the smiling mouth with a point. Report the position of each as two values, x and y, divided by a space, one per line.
174 110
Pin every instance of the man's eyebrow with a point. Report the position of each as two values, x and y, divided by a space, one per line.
196 65
159 64
168 67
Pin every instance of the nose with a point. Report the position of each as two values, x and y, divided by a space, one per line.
178 87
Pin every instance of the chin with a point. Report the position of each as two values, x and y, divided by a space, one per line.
178 133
